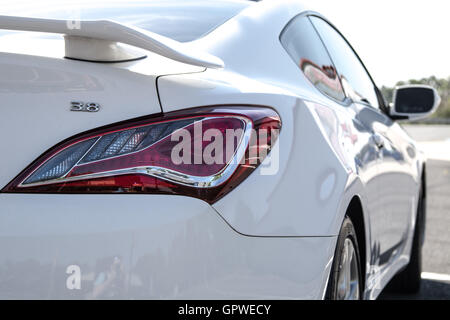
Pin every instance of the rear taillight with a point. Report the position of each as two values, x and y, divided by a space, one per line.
203 153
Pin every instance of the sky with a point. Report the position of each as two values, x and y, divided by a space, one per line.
396 39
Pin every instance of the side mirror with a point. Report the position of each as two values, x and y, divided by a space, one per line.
414 102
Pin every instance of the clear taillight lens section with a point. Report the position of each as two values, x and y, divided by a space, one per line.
204 154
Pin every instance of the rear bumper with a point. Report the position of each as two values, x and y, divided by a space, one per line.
147 247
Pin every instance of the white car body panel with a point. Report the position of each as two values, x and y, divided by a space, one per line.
36 93
192 253
267 218
272 237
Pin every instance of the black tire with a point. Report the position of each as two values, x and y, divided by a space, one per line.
347 232
409 280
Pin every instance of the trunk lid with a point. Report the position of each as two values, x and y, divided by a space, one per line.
37 88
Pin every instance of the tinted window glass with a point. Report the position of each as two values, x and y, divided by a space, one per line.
307 50
355 80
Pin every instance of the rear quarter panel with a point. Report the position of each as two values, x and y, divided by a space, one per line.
303 197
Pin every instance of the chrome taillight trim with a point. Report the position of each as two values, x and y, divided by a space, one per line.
163 173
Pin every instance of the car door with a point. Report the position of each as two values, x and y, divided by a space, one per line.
391 211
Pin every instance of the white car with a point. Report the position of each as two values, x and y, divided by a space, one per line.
202 149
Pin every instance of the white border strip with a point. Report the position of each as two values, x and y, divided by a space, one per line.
436 276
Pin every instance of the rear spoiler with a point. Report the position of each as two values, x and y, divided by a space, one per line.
98 41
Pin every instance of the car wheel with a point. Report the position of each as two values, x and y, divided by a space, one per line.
345 278
409 280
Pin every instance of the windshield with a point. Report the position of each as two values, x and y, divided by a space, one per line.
181 20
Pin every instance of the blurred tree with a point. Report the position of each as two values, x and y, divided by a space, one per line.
442 86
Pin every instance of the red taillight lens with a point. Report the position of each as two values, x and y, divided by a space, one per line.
203 154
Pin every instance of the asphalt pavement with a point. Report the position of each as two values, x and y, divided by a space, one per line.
436 251
423 133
